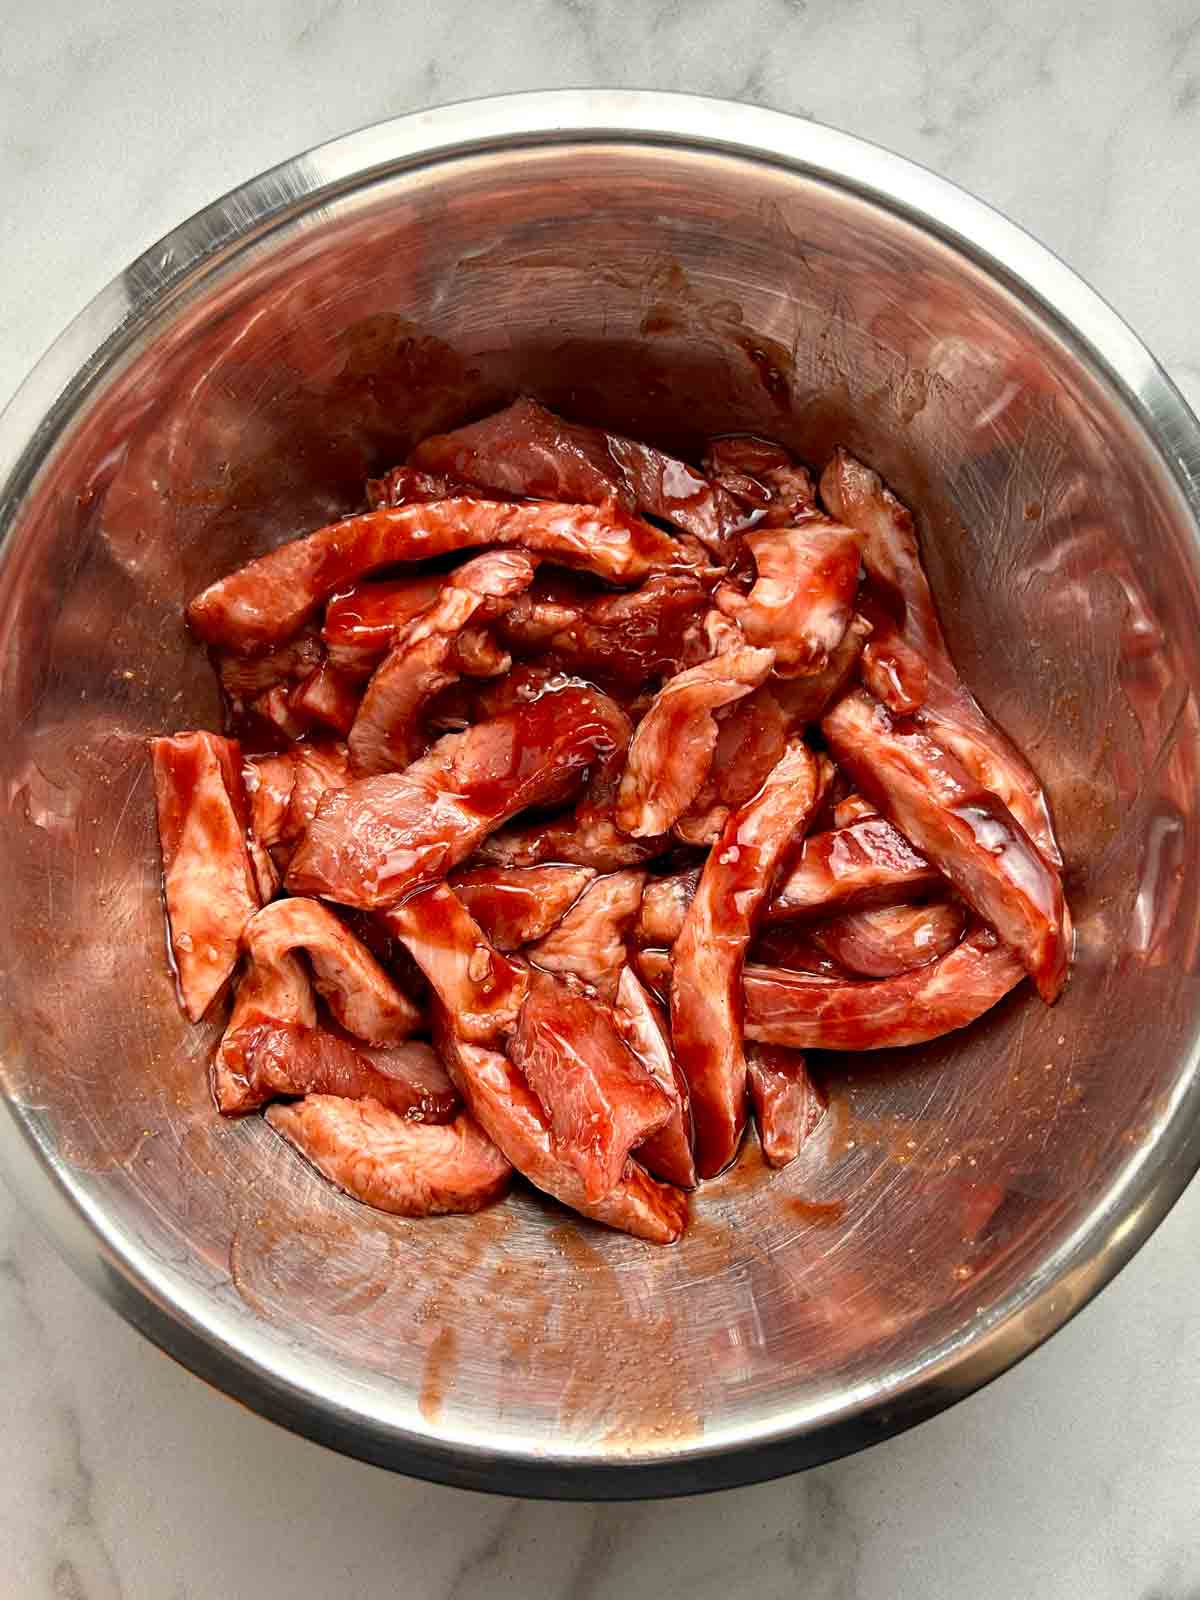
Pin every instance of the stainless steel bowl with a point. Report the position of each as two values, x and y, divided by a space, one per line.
675 266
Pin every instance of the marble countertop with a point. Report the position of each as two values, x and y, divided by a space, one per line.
1074 1475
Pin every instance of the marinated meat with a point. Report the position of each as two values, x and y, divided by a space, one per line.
527 450
665 902
481 988
763 476
267 601
407 1168
890 668
468 1002
261 1058
866 863
787 1104
274 710
244 678
361 624
805 699
359 993
964 830
818 1011
634 635
328 696
643 1025
267 876
409 486
515 906
422 659
588 836
673 745
745 455
600 1100
732 776
803 596
419 1085
477 655
274 1044
706 979
589 942
752 735
886 940
950 712
512 1116
791 945
653 969
808 1012
852 808
285 789
269 781
380 838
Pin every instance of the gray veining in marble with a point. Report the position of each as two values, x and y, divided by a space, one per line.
1076 1475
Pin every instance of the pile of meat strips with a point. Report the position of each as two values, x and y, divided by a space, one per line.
590 790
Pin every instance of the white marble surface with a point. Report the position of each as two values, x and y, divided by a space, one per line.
1076 1475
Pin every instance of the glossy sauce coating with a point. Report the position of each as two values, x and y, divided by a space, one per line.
380 838
706 987
892 558
267 601
752 734
361 623
587 836
361 995
634 635
244 678
673 745
408 486
479 985
865 863
763 477
886 940
285 789
787 1103
590 941
890 668
328 697
518 905
262 1059
966 831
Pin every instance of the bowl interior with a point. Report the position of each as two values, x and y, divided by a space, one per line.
671 292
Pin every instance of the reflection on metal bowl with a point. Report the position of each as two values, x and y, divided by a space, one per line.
669 266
